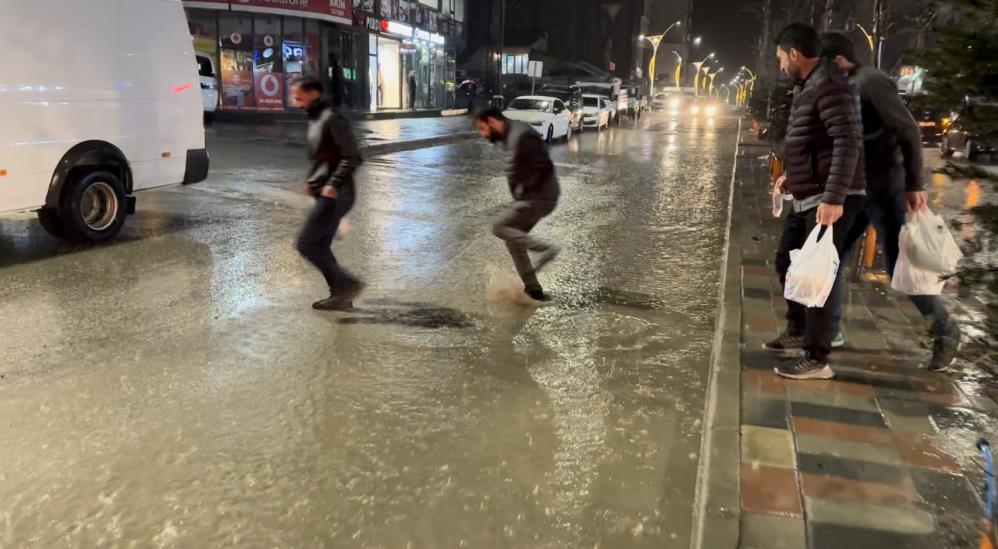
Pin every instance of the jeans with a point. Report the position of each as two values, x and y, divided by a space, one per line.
317 235
814 323
885 210
513 227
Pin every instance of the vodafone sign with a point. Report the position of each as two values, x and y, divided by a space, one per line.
333 10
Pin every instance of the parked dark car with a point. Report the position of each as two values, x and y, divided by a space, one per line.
931 122
571 96
958 136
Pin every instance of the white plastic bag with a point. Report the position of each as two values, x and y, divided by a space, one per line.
911 280
813 269
929 245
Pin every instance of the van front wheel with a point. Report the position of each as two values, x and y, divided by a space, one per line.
93 208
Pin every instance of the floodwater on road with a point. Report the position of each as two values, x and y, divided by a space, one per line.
175 389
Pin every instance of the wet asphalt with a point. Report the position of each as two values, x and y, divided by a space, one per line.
174 388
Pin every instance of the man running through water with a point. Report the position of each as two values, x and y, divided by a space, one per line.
534 186
335 157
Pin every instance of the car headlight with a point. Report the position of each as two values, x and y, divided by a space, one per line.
711 110
695 109
675 102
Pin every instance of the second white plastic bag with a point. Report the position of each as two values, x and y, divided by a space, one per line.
813 269
928 243
910 279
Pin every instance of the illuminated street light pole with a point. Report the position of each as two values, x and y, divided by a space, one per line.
712 91
655 41
727 93
751 82
696 78
679 68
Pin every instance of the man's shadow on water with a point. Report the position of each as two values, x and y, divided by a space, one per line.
412 314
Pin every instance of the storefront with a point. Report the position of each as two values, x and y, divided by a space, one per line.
260 50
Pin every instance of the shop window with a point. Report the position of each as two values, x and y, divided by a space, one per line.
204 32
293 53
388 74
236 39
268 63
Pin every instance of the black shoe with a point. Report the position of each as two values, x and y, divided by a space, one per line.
945 349
333 303
786 343
348 291
805 368
537 295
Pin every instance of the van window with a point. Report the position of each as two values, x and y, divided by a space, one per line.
204 67
591 101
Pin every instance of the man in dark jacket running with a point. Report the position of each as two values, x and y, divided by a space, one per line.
893 145
535 190
335 157
824 174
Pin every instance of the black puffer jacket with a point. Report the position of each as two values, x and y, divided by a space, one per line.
824 144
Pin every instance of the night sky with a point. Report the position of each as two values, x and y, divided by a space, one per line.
728 30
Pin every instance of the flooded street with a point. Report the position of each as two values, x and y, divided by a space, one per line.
175 389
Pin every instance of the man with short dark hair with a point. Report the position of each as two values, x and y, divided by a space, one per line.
823 156
535 190
335 157
893 145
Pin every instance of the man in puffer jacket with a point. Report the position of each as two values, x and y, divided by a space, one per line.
824 173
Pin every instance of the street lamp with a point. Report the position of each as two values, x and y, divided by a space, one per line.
869 37
711 91
727 93
679 68
655 41
696 77
697 41
751 82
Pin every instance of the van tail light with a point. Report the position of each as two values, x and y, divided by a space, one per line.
182 89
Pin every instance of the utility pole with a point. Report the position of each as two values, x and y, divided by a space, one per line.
639 57
498 34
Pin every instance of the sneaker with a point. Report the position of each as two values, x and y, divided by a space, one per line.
805 368
785 343
838 341
538 295
333 303
542 257
945 349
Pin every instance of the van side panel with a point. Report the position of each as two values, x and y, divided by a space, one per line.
120 71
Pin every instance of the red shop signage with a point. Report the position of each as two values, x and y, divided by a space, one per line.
332 8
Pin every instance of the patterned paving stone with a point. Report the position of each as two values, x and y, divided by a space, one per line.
755 293
765 446
853 469
772 532
955 505
800 392
873 453
907 416
837 385
838 488
767 324
919 451
770 490
842 431
760 411
834 536
902 520
762 382
841 415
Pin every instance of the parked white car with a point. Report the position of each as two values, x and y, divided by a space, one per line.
106 106
547 115
595 111
209 84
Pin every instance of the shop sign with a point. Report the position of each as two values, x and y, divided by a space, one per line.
407 47
269 88
373 24
335 8
430 37
396 28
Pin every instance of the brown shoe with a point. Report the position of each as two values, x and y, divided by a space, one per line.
333 303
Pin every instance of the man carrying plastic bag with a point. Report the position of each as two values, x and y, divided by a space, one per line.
825 176
893 162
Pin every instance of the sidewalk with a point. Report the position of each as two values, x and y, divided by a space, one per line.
884 455
378 136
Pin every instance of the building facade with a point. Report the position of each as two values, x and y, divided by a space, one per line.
372 54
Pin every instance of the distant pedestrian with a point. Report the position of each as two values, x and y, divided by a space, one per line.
893 145
824 173
534 185
335 157
412 89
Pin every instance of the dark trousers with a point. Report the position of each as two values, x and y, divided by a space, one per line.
885 210
513 227
317 235
814 323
